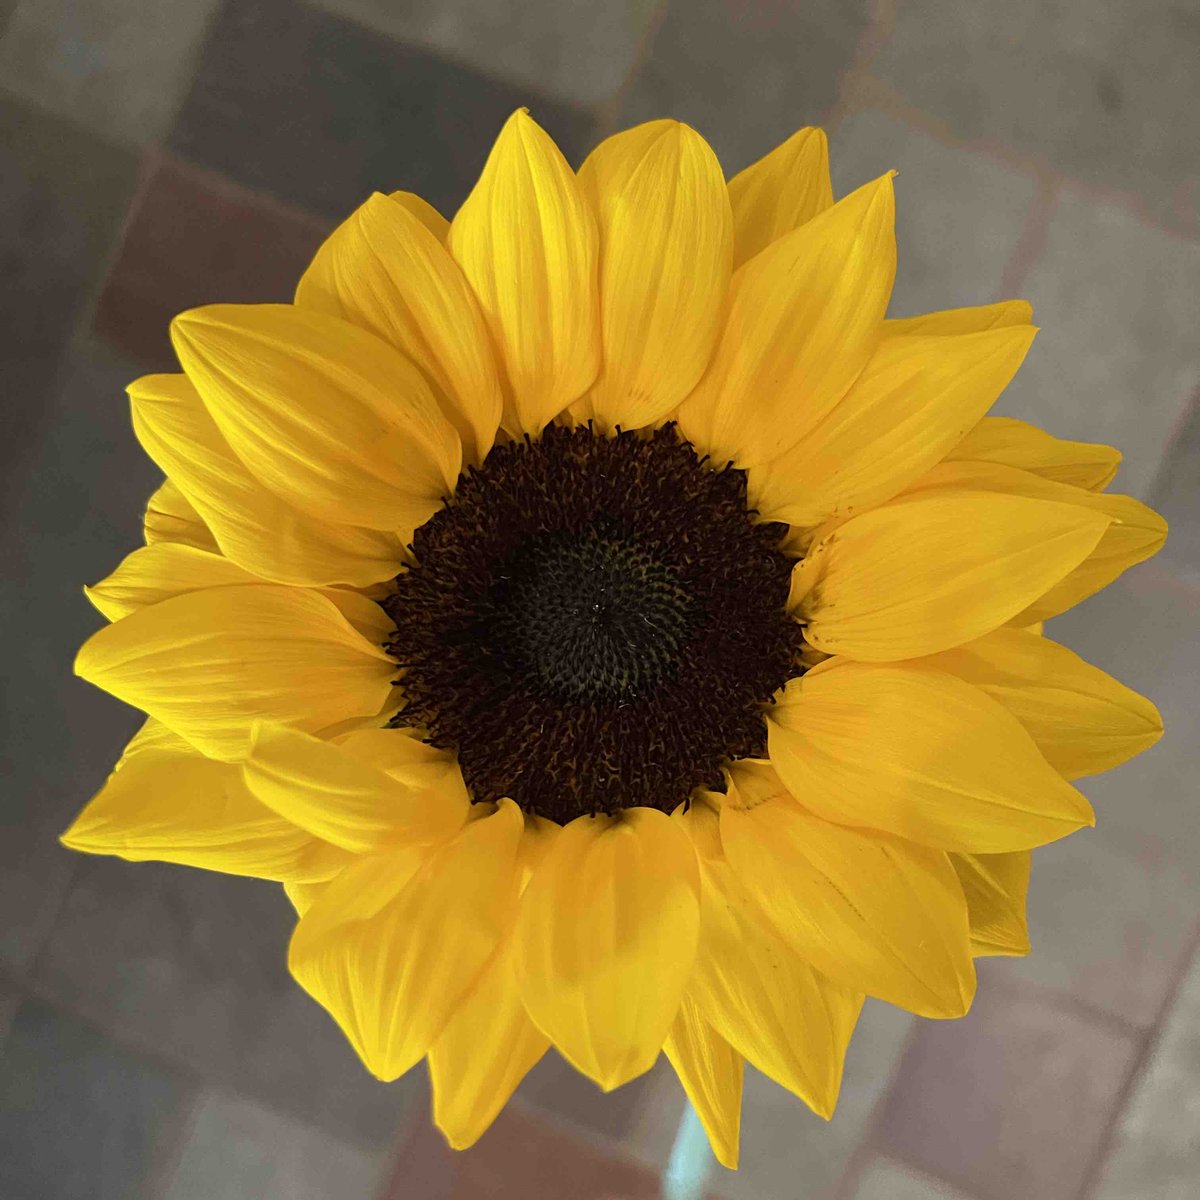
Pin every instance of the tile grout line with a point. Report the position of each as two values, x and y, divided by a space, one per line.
878 33
28 974
866 1149
605 113
1103 1154
82 327
171 1145
188 1074
230 189
878 95
1031 242
1189 411
1067 1002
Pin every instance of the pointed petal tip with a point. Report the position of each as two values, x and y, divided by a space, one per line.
72 836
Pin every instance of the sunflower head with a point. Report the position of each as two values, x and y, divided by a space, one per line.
612 631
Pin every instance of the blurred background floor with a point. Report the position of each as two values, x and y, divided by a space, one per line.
158 154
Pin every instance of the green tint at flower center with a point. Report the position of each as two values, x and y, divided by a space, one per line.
590 617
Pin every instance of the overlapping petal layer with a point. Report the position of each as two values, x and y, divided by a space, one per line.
915 399
346 798
1012 443
1082 720
1134 531
383 269
710 1070
171 517
251 525
995 886
782 191
804 317
879 914
526 241
333 420
666 246
607 938
208 664
948 766
373 947
932 571
166 802
757 991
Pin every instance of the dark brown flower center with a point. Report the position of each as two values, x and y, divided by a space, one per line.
594 622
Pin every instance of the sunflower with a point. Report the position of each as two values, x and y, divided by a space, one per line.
612 631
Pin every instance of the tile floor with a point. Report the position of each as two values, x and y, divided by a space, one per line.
158 154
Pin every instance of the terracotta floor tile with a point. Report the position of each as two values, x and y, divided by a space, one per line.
1122 368
889 1181
1177 496
1156 1151
1105 90
238 1150
77 495
81 1118
117 67
1009 1102
192 965
632 1115
575 50
746 75
522 1157
320 112
63 194
192 240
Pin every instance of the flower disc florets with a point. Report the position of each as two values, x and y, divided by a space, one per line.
594 622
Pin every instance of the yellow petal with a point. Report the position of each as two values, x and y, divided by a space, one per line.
804 317
526 241
170 517
782 191
165 802
331 419
606 938
208 664
995 886
1082 719
921 754
699 819
424 212
1135 532
1012 443
304 895
346 799
763 998
665 259
488 1046
880 915
924 574
396 942
402 754
963 320
710 1070
253 527
363 613
913 402
155 573
383 270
